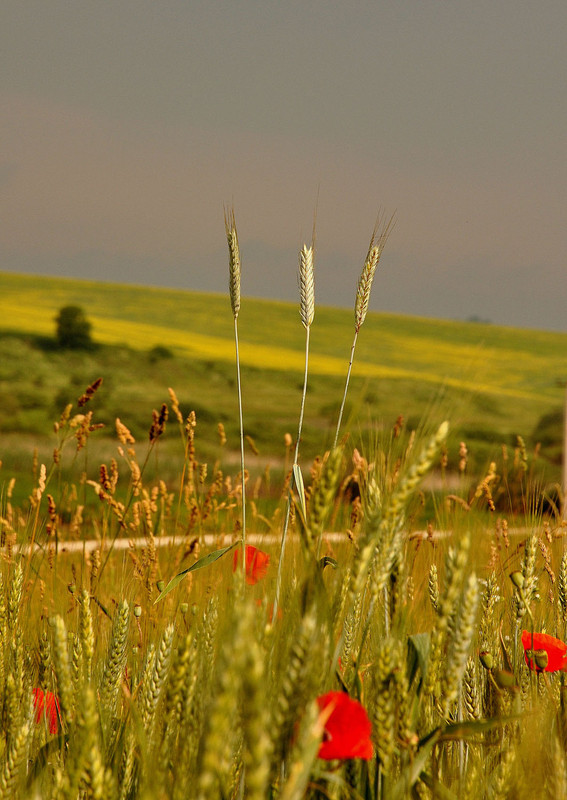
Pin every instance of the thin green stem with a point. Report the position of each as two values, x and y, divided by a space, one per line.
302 409
352 349
295 463
241 446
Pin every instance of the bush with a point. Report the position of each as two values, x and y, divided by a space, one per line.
549 429
159 353
73 329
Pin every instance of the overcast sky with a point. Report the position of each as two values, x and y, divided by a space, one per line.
127 125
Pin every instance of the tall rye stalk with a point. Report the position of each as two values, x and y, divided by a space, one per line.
234 291
307 313
363 289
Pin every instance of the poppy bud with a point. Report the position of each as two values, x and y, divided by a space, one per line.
486 660
517 579
544 652
504 679
541 658
137 610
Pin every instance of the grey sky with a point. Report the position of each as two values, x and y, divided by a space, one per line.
127 125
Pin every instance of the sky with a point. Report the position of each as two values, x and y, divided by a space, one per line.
128 126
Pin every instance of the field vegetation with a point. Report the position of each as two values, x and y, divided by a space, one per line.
496 383
407 643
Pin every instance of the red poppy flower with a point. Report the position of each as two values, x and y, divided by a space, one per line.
555 649
46 704
347 729
256 563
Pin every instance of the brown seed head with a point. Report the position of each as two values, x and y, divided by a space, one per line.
158 422
90 390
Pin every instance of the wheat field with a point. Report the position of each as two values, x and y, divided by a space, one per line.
380 663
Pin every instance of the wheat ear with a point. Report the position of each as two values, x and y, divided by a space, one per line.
384 711
460 642
306 277
62 669
304 755
293 693
222 724
14 759
321 500
385 530
255 712
155 679
93 766
562 587
433 586
455 577
234 291
377 242
116 660
86 633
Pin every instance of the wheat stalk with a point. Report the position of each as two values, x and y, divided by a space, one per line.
306 276
377 243
13 761
234 292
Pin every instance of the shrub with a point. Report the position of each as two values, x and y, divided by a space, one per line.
73 330
159 353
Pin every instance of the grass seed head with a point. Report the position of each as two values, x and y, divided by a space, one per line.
306 285
364 287
233 260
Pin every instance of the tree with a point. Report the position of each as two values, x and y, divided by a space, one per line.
73 329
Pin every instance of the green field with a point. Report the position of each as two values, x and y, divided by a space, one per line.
491 382
377 663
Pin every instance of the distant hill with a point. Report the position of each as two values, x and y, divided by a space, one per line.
491 382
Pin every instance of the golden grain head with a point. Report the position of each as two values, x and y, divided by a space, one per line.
233 260
306 286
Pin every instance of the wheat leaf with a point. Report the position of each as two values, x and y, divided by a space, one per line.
199 564
298 477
